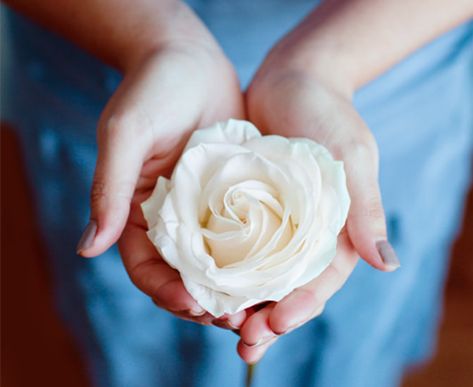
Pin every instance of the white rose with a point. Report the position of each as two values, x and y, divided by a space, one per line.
247 218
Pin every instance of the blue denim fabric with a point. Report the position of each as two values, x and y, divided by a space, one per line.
421 113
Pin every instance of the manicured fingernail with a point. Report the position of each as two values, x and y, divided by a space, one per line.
388 255
88 236
261 341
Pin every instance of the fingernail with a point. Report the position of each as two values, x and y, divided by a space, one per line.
236 320
224 323
291 327
261 341
87 238
388 255
197 311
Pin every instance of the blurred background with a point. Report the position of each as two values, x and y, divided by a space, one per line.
37 350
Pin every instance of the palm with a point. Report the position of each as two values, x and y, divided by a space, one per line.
188 103
294 105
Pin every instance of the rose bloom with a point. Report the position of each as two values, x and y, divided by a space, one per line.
247 218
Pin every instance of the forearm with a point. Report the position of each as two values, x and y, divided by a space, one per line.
355 41
120 32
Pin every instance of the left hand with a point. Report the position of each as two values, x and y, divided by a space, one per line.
290 98
263 328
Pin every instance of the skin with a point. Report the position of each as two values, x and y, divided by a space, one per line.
177 79
305 88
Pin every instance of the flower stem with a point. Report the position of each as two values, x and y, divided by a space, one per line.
250 371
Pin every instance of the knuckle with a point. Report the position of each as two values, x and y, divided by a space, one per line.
371 208
142 281
374 209
98 191
148 285
362 149
120 123
141 275
360 146
312 296
102 191
127 126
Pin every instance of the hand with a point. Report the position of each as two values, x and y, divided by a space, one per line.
141 134
262 328
286 98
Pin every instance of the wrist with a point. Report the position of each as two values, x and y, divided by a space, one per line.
179 30
297 59
323 58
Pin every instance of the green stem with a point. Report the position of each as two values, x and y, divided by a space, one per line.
250 371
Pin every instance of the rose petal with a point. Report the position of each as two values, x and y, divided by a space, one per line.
268 209
153 204
230 132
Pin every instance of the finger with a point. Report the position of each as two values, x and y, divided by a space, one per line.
230 321
119 161
204 319
152 275
253 354
305 302
317 312
256 329
366 223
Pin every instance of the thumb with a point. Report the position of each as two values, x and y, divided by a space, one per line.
117 170
366 222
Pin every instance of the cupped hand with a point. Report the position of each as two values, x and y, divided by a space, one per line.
262 328
141 134
289 98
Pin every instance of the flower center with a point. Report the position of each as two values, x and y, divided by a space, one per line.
249 217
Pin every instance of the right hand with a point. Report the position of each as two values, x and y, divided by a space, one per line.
141 134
